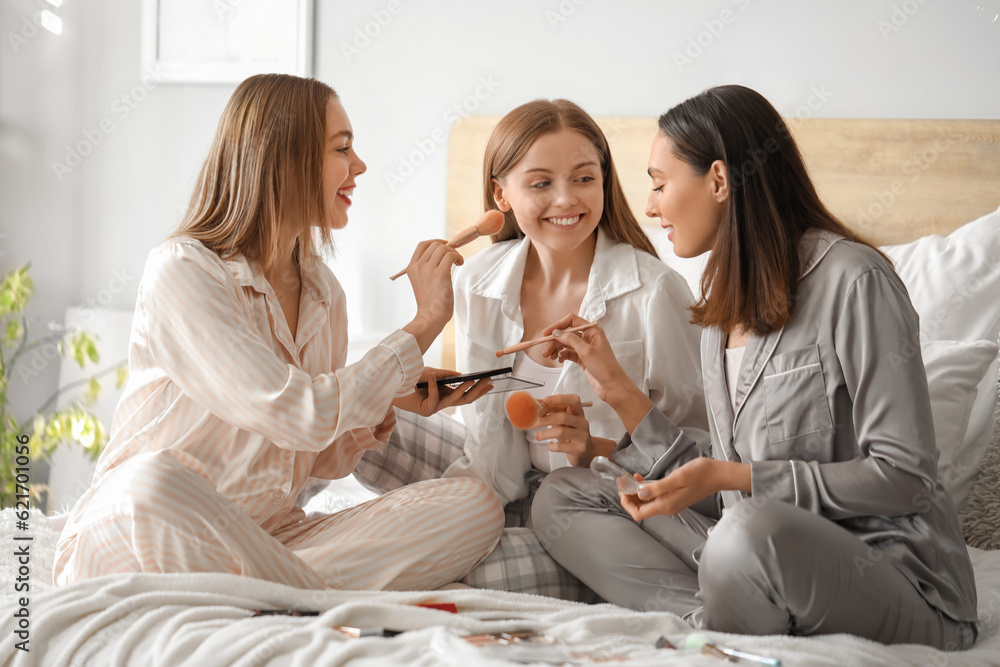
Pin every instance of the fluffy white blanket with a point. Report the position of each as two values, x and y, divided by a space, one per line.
207 619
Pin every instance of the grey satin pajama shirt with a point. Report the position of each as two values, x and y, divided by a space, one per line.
847 528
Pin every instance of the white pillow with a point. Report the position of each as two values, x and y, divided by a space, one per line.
954 280
954 372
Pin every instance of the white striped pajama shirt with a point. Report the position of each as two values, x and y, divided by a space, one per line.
224 419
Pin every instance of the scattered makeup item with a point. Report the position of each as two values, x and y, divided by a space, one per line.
456 380
528 647
440 606
502 379
538 341
284 612
364 632
508 638
743 655
713 650
356 633
489 223
708 647
663 642
607 469
523 409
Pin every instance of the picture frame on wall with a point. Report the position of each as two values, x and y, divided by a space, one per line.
225 41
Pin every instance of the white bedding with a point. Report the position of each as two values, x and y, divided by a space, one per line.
205 619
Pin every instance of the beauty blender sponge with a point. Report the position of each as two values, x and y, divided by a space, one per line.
522 410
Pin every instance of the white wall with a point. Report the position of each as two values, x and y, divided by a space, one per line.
88 232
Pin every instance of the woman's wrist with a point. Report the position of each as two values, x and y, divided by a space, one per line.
598 447
735 476
423 330
604 447
630 403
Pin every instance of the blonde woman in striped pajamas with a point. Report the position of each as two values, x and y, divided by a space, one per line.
238 390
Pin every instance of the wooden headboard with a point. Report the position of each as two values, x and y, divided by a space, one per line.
891 180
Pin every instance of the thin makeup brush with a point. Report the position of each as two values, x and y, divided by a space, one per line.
538 341
488 224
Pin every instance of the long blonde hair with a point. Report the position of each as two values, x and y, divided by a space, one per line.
262 181
513 137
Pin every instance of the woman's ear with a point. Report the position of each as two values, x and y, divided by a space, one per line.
719 175
498 196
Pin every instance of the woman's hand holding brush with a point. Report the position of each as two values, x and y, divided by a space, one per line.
563 422
430 278
489 223
591 350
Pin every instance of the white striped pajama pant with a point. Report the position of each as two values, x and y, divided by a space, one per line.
154 514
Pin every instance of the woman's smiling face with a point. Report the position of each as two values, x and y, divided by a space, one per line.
690 206
341 165
556 190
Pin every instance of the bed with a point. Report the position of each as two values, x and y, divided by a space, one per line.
926 190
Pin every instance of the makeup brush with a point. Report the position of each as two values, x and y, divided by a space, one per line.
538 341
708 647
489 223
523 409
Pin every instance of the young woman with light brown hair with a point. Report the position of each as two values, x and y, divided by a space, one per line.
238 391
569 245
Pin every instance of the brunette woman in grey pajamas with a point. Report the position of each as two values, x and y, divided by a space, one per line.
824 464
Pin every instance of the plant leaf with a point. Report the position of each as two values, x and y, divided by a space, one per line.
121 376
93 390
16 291
13 333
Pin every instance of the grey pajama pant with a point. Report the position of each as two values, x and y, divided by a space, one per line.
770 568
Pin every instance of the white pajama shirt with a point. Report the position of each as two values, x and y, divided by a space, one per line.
224 419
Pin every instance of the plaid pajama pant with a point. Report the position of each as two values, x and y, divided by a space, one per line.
421 448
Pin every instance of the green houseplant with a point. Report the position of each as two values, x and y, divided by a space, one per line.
48 426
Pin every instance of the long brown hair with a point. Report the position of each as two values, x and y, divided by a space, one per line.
513 137
263 179
750 279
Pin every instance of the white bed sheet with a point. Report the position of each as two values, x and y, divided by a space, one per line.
205 619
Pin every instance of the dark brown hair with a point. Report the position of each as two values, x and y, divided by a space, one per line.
263 178
513 137
750 279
